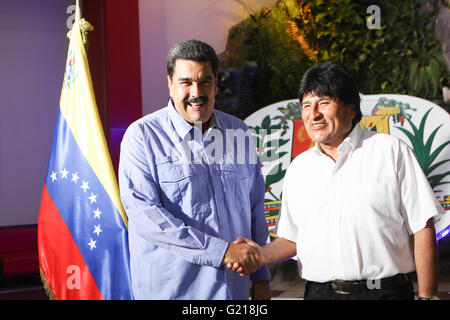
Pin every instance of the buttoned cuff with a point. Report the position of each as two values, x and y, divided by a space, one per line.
215 252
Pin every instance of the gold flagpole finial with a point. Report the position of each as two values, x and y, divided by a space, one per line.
85 26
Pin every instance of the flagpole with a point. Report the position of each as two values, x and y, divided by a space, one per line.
83 24
77 11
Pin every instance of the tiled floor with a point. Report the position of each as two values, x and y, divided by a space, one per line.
287 285
27 288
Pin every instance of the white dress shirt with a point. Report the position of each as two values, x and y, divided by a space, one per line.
352 219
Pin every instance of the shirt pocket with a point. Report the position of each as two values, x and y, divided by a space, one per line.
236 185
184 187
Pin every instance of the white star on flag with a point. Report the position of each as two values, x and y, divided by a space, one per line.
75 177
85 186
64 173
53 176
92 244
93 198
97 230
97 213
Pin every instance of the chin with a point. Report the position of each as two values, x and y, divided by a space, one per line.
199 116
204 118
316 138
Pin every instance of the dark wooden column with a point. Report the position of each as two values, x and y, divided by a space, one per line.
114 60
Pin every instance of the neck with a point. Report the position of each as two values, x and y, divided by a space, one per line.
205 126
330 151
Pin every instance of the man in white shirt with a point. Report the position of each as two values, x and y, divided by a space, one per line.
351 203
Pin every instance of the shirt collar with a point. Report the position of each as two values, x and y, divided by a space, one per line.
182 127
353 137
351 140
216 121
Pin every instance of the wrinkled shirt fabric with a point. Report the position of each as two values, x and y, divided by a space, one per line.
352 220
187 195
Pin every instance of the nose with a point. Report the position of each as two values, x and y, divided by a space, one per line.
314 112
194 90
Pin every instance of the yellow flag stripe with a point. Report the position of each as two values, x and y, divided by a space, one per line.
79 109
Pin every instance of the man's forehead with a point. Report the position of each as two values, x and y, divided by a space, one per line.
315 96
180 63
185 69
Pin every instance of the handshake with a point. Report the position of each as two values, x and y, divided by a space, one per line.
244 256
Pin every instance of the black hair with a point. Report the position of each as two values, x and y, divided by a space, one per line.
191 50
331 79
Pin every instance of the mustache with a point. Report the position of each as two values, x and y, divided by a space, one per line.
201 99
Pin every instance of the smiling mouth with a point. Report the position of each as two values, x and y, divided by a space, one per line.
196 103
318 126
195 107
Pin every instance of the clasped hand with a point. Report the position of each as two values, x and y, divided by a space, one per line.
243 256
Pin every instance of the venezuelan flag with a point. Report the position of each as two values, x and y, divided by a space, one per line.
82 226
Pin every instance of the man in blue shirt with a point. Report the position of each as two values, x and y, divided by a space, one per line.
191 183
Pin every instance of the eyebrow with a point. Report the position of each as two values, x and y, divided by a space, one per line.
208 77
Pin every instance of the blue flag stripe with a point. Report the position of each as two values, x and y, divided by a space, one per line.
94 222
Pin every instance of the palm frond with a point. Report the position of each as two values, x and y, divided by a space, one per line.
423 149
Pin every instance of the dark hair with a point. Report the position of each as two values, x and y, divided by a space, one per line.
191 50
331 79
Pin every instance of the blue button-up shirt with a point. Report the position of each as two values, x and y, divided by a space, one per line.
187 195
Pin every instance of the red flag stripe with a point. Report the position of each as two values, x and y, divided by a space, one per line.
62 266
300 139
